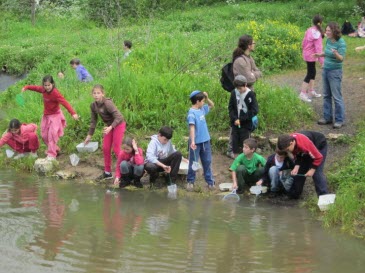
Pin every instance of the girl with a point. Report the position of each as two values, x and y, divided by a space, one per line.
114 130
53 121
22 138
130 164
312 43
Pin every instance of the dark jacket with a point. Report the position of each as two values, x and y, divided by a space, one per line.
288 164
245 118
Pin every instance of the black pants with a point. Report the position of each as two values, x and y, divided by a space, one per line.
173 160
311 72
238 136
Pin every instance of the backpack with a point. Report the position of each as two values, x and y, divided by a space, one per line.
227 77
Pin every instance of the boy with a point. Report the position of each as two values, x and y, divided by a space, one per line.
277 171
81 72
247 168
310 150
127 48
162 156
242 107
199 138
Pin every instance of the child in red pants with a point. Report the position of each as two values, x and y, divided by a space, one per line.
114 130
22 138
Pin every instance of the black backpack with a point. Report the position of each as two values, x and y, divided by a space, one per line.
227 77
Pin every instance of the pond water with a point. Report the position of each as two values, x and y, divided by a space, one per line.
60 226
6 80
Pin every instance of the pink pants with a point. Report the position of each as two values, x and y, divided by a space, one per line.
52 129
30 146
113 139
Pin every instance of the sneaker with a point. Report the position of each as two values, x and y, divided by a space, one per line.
138 184
304 97
18 156
314 94
190 187
50 158
230 155
211 187
322 121
337 125
123 183
34 155
104 176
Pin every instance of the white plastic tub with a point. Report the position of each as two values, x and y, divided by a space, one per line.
88 148
225 186
184 166
324 201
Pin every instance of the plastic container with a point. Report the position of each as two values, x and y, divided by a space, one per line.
184 166
325 201
74 159
9 153
88 148
225 186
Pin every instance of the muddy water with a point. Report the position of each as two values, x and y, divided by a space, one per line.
7 80
56 226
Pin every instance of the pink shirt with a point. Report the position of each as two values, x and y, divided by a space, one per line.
312 43
23 137
135 159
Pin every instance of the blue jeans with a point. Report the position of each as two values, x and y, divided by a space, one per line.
332 81
278 181
204 152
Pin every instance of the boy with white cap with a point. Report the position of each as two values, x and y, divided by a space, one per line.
199 138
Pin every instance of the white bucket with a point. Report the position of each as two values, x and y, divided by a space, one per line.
325 201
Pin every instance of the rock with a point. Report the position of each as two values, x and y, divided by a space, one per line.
332 136
273 142
43 166
66 174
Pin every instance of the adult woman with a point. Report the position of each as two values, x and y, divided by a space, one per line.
334 54
243 63
311 44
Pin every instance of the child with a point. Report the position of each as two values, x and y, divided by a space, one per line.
81 72
199 138
22 138
162 156
113 132
310 150
130 164
53 121
277 171
127 48
242 108
247 168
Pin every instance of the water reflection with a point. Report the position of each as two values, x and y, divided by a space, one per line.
68 227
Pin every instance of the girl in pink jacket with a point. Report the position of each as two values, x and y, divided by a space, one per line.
312 43
22 138
130 164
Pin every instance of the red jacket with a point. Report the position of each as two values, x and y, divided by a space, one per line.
23 135
51 100
305 146
133 158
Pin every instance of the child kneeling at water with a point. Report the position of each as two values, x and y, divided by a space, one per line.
247 168
22 138
130 164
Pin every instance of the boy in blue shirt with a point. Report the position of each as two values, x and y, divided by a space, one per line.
82 74
199 138
247 168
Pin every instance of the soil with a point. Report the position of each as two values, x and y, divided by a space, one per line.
91 166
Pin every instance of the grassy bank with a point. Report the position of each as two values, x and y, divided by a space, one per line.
172 55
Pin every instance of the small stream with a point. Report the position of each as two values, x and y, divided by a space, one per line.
7 80
60 226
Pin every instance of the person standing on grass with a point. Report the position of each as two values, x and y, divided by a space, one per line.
244 64
310 151
199 138
334 55
22 138
311 44
113 132
82 74
53 121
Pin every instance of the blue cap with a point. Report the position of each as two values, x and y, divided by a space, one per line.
194 93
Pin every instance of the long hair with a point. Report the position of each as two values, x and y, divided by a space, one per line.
243 43
317 21
336 31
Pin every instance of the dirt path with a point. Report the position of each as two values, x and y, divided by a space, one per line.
353 87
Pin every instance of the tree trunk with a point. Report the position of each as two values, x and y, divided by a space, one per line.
33 11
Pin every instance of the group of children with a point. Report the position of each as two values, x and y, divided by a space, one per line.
280 172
